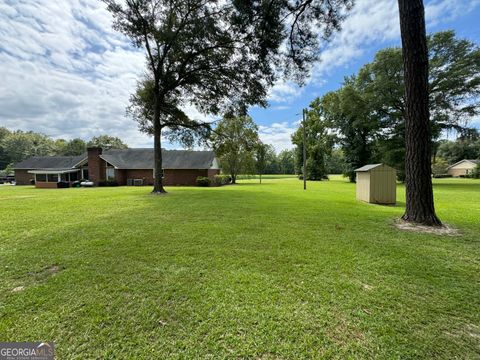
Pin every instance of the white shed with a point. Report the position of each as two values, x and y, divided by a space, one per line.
377 184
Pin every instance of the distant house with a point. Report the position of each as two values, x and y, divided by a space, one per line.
125 166
462 168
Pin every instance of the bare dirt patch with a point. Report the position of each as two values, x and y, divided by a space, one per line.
46 272
445 229
18 289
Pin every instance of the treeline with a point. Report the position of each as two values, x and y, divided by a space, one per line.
17 145
281 163
364 119
448 152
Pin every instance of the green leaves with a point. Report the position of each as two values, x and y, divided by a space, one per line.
235 141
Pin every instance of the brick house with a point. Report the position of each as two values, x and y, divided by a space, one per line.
126 166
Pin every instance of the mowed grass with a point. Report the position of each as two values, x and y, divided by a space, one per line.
247 271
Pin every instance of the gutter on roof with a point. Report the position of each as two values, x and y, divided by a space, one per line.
52 171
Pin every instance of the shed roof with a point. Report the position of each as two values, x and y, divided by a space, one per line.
370 167
367 167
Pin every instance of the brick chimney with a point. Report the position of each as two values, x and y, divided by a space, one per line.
95 165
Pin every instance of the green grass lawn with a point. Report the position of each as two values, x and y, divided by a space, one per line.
247 271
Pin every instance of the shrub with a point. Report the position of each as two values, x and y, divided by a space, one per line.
439 167
441 176
220 180
476 172
203 181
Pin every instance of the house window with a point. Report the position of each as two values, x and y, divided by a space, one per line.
41 177
74 176
110 173
52 177
84 174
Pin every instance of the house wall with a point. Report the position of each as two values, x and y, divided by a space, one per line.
121 176
145 174
22 177
213 172
183 177
172 177
46 185
461 169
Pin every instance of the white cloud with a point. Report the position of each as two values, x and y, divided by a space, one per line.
277 134
377 21
66 72
284 92
280 107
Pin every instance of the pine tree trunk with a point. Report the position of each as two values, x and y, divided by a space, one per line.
418 182
157 145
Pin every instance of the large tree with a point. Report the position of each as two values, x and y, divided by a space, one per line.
214 54
368 111
235 141
348 114
454 90
418 150
318 144
75 147
286 162
260 154
199 52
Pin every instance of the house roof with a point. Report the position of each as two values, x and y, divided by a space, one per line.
171 159
49 162
127 159
474 161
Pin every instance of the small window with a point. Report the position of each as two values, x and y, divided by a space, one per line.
64 177
41 177
52 177
110 173
85 174
74 176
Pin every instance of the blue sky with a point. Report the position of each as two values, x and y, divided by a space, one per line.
66 73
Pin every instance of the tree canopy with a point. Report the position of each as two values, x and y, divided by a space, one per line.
17 145
107 142
235 142
216 55
367 114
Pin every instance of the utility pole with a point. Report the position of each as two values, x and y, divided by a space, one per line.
304 152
